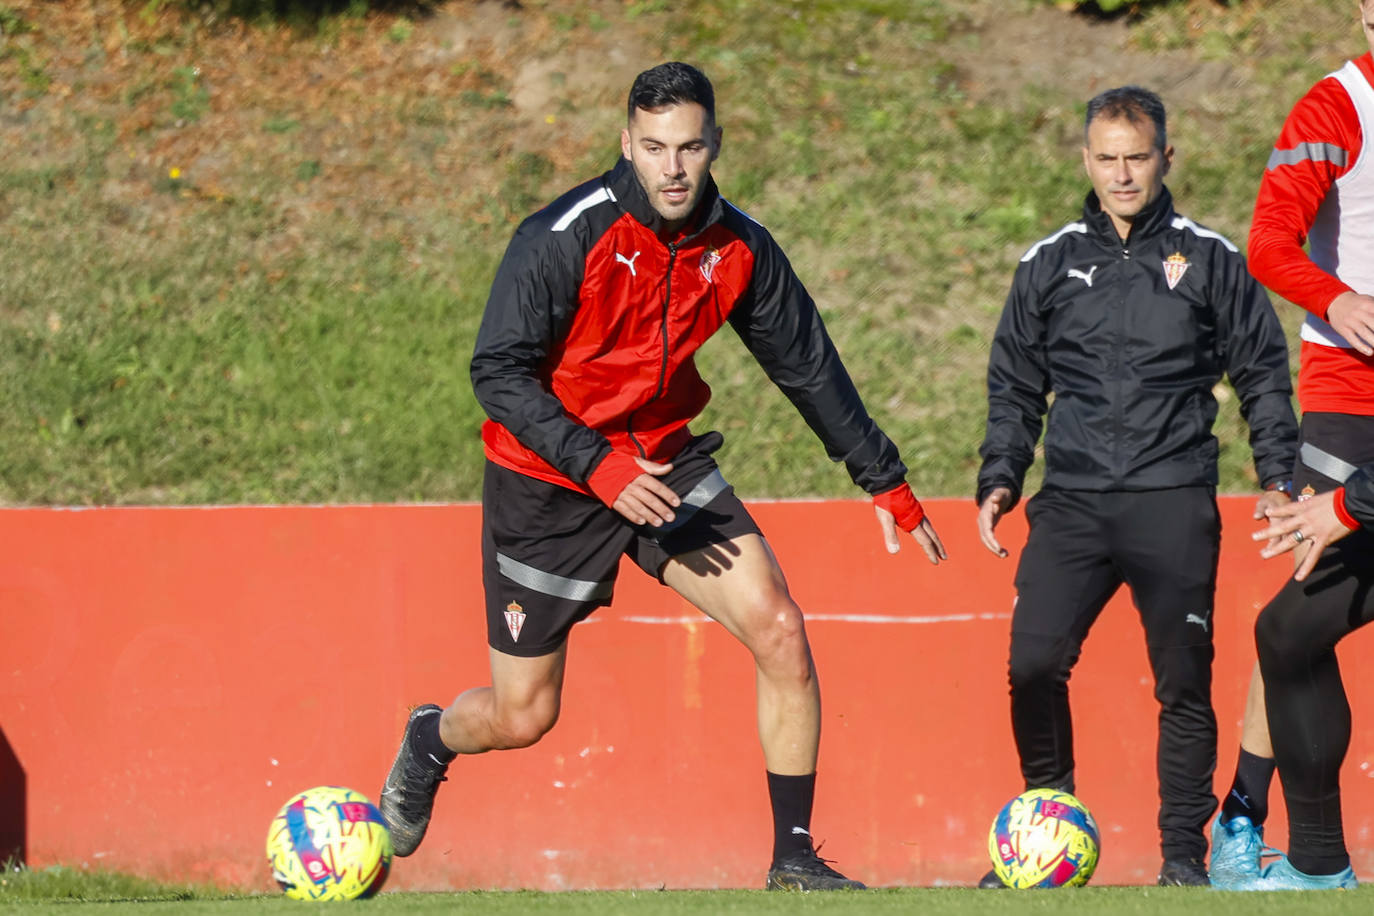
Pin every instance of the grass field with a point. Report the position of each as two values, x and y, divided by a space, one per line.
245 264
65 891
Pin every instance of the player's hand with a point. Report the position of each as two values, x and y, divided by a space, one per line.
899 507
924 533
1310 522
1352 316
646 500
989 514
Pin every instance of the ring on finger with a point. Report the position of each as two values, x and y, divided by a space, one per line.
1299 537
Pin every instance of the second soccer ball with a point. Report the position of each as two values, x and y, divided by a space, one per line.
1044 838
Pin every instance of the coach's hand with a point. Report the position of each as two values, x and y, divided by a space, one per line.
1270 499
1352 315
989 514
899 507
1312 522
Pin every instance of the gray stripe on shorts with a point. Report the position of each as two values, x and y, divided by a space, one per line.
711 486
707 489
549 584
1325 463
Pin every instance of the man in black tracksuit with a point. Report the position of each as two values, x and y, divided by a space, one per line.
1129 317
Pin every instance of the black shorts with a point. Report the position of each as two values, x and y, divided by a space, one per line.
550 555
1330 447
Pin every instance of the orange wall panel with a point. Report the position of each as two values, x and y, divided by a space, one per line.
169 677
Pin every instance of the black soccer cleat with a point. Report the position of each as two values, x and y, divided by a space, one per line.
805 871
1183 873
407 799
990 881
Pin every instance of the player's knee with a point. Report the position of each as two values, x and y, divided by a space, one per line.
1281 643
779 643
524 726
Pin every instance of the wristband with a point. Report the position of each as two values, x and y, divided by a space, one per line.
903 505
1342 512
612 476
1283 486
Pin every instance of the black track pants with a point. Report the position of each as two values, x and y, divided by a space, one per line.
1081 548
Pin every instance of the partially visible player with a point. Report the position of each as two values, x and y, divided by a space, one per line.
1330 596
1318 187
1129 316
585 365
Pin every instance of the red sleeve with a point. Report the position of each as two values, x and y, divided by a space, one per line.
1342 512
1319 142
614 473
902 503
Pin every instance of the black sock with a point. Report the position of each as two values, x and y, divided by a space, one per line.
426 743
1249 795
1320 865
791 797
1316 834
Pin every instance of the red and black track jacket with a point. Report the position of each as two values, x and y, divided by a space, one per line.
586 349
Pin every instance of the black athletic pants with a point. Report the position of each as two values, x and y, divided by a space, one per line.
1295 637
1081 548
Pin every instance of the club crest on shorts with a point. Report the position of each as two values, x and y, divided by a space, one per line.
515 620
708 263
1175 266
1307 493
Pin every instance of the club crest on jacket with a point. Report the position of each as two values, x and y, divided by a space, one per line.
1175 266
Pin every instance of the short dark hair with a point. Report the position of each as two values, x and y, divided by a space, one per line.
1135 104
673 83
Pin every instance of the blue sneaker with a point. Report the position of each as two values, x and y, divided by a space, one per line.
1280 875
1236 848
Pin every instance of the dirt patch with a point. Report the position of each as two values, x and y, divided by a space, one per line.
1006 51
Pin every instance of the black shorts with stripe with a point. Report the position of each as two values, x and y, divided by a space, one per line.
1330 447
550 555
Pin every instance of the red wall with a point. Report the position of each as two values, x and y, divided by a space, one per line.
169 677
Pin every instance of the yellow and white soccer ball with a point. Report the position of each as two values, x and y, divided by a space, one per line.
1044 838
329 843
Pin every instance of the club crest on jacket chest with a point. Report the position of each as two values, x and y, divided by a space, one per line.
709 259
1175 266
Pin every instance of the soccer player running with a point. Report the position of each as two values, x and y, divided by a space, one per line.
1130 317
1317 187
584 364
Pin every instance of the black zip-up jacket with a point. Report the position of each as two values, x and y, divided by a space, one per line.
587 346
1131 337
